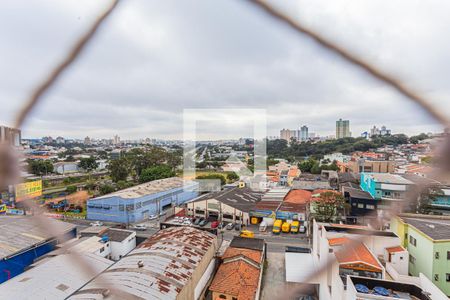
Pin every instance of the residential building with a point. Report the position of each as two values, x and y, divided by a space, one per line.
287 134
175 263
139 202
374 131
388 188
343 129
361 202
239 275
427 239
22 241
11 136
303 136
359 165
337 156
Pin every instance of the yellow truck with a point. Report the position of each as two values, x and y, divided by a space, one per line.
295 225
286 227
277 226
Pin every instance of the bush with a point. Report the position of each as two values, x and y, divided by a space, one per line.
71 189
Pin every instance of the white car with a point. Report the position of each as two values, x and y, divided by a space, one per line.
96 223
187 222
152 217
140 227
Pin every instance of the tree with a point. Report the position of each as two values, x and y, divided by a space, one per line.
213 176
88 164
417 138
156 172
119 169
316 169
327 206
231 177
71 189
106 189
306 165
40 167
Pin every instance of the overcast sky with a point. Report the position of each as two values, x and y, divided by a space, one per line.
152 59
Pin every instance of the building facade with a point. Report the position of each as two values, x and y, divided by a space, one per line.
303 136
343 129
140 202
10 135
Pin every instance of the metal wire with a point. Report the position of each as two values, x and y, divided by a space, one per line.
9 167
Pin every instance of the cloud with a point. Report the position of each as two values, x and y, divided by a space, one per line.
153 59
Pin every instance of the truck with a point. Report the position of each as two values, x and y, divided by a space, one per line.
247 234
286 227
295 225
277 226
263 226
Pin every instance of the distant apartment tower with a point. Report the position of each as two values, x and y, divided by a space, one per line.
342 129
287 134
303 136
116 140
379 131
11 136
87 140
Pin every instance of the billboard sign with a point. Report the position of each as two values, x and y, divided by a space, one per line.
28 190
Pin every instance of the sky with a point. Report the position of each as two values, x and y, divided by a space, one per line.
152 60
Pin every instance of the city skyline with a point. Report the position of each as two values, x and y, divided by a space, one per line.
167 72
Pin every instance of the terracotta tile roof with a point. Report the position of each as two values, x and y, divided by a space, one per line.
395 249
293 172
252 254
357 253
337 241
348 226
238 278
298 197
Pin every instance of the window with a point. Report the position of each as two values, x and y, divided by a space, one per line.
412 259
360 205
370 206
102 249
412 241
222 297
354 204
121 207
448 255
447 277
138 205
436 255
234 298
330 250
436 277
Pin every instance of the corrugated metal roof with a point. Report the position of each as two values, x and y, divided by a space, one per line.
158 268
57 278
21 232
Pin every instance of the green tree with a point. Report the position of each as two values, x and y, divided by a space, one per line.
328 205
232 177
417 138
106 189
88 164
156 172
71 189
40 167
316 169
306 165
119 169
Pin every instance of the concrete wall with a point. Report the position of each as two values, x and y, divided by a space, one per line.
120 249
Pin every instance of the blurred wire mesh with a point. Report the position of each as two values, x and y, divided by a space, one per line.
9 166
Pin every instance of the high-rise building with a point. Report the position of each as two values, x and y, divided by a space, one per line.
11 136
116 140
343 129
303 136
87 140
287 134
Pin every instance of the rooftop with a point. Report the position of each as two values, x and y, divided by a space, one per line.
434 228
169 258
310 185
149 188
388 178
356 253
298 197
57 278
20 233
395 249
239 273
117 235
246 243
243 199
357 193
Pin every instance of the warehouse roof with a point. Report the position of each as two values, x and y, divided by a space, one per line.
246 243
389 178
20 233
57 278
243 199
356 193
149 188
158 268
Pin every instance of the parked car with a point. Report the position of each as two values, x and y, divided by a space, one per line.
120 226
198 220
230 226
203 222
302 229
96 223
186 222
152 217
140 227
237 227
214 224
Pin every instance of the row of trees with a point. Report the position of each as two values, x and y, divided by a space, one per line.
283 149
145 164
313 166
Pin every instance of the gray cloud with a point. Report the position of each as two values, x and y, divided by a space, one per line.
155 58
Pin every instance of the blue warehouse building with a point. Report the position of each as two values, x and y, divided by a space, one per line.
22 241
139 202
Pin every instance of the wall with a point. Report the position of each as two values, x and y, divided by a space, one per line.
367 183
120 249
422 252
441 265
